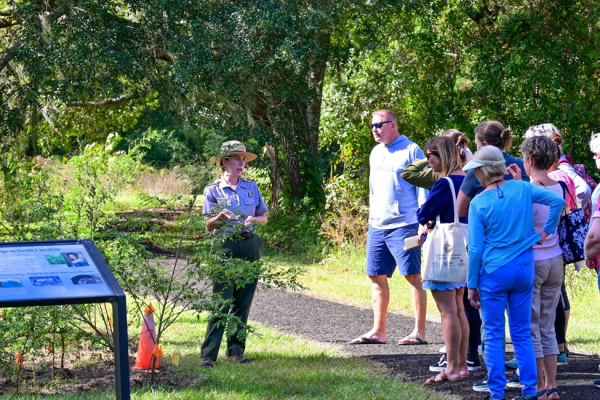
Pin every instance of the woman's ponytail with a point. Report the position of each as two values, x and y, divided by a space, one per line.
506 138
462 142
494 134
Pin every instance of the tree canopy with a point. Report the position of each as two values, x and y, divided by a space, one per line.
295 80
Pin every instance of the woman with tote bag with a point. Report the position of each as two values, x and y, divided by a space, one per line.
447 290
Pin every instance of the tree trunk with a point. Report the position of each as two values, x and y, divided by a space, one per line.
255 109
316 80
292 160
34 119
276 178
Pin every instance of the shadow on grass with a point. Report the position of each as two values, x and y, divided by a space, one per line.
584 341
297 259
276 375
575 381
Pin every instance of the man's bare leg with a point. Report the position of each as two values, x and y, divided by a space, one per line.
419 299
380 292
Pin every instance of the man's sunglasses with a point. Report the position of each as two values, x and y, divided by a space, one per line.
379 125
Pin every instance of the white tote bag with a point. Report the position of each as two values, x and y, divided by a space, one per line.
445 250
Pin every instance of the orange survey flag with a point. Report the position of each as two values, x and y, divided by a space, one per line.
20 360
158 353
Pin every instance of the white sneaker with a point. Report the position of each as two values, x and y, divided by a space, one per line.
442 349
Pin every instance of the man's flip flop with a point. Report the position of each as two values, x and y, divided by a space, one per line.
366 340
443 378
412 340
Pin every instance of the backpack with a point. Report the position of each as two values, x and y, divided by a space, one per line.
580 170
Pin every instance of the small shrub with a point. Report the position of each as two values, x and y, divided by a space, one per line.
345 221
294 229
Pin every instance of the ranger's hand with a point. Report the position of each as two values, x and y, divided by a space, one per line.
227 214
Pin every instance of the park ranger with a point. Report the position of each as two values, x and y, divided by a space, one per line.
231 203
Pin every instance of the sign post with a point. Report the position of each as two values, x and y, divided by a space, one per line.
66 272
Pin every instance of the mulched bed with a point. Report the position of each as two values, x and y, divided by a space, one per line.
95 373
334 323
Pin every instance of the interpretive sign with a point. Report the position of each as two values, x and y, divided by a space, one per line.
65 272
56 271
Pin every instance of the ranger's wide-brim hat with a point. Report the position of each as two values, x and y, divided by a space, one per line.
233 148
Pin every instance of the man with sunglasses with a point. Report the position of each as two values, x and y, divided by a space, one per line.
393 206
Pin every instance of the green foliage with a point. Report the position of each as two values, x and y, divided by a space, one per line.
294 229
298 79
29 202
33 332
164 148
75 72
458 63
88 183
96 176
345 220
41 200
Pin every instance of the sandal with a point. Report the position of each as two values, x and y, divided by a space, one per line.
443 378
412 340
365 340
549 392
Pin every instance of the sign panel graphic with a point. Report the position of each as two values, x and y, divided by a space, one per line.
48 271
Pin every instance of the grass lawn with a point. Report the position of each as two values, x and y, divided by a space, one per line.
284 367
342 279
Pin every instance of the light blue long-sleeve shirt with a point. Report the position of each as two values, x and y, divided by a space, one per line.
500 229
393 202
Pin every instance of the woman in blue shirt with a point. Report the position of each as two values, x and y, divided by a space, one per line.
445 160
242 207
501 268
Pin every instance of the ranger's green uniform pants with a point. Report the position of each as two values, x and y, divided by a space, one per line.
248 249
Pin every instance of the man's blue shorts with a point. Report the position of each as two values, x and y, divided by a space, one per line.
385 251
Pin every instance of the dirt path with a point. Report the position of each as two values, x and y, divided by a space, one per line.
334 323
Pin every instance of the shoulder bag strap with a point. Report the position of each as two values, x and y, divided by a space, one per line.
566 188
451 183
